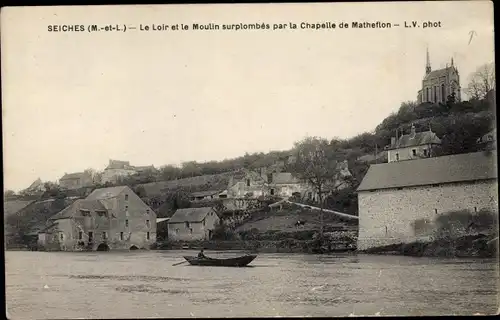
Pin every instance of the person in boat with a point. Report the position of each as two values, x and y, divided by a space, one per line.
201 255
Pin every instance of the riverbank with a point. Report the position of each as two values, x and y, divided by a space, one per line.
469 246
260 246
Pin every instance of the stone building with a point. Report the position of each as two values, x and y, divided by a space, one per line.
411 146
117 169
109 218
252 185
192 224
36 187
438 84
76 180
393 196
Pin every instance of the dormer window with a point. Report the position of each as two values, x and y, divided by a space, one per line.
100 213
85 213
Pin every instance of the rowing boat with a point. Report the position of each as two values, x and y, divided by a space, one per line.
231 262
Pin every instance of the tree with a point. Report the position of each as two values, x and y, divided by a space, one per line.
316 163
8 193
481 82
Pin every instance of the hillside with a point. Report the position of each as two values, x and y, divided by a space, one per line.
13 206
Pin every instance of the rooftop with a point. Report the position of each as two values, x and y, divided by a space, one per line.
106 193
190 215
439 170
75 175
416 139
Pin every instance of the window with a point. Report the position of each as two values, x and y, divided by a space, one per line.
126 207
85 213
436 211
187 224
121 235
101 213
475 209
62 236
91 236
177 230
147 224
126 223
397 156
126 197
104 235
203 222
191 230
147 235
414 152
443 93
80 235
248 182
425 152
147 211
272 192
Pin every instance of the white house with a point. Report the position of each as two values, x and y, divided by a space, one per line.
192 224
393 196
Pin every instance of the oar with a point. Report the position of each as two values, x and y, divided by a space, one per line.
178 263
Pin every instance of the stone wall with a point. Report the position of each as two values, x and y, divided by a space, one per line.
388 216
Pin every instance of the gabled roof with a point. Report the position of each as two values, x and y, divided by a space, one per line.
117 164
35 184
73 210
205 193
439 170
440 73
284 178
76 175
106 193
190 215
418 139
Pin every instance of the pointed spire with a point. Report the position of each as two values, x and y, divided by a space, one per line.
428 63
452 61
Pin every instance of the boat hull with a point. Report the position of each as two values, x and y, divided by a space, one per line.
210 262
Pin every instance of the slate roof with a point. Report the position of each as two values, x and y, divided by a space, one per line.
35 184
106 193
76 175
73 210
439 170
439 73
420 138
190 215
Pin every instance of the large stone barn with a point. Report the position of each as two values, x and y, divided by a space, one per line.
392 196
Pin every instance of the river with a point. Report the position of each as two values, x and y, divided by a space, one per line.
140 284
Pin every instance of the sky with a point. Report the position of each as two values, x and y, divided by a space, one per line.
74 100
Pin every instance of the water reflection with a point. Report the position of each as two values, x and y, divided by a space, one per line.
146 284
